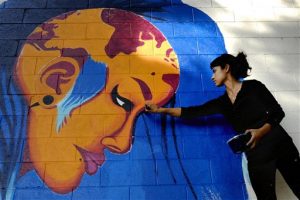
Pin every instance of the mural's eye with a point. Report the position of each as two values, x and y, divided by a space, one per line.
121 101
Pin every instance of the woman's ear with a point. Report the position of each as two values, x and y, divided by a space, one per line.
55 79
227 68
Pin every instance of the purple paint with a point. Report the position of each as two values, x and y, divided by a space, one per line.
55 79
168 52
39 39
145 89
172 80
130 40
65 16
92 160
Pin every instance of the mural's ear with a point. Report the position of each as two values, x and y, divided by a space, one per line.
56 78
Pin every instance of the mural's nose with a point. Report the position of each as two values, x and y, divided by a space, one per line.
121 140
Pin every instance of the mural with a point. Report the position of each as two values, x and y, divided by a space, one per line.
73 124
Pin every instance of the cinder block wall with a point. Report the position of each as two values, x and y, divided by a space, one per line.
169 158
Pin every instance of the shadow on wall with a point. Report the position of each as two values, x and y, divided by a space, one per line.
169 158
269 35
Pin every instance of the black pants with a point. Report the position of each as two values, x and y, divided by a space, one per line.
262 175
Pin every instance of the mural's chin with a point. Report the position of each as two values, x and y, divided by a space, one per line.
63 177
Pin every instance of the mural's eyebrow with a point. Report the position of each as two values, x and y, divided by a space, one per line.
145 89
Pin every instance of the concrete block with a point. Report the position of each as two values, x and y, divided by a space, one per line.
30 180
184 30
10 110
287 14
257 62
217 14
26 4
11 15
125 173
273 3
263 45
239 29
289 100
158 192
156 147
170 14
206 29
199 170
89 181
210 46
165 27
179 43
37 194
8 62
8 47
190 82
41 15
16 31
192 149
149 3
275 81
95 193
68 4
195 63
103 4
283 63
278 29
198 4
229 173
222 191
291 122
231 3
169 173
254 14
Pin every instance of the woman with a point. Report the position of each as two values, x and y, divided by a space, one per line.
250 107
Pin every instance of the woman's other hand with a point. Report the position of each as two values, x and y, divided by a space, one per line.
257 134
255 137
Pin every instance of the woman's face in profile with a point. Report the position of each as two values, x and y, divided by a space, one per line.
219 75
89 81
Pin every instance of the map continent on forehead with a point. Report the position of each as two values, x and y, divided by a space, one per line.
126 41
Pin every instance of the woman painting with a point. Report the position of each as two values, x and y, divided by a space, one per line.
250 107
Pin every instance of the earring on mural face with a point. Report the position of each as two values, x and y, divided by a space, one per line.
47 101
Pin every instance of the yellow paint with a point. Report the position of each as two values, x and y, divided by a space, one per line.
98 123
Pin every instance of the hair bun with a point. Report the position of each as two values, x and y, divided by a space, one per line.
242 64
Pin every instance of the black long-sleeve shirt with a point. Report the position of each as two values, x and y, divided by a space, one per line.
254 106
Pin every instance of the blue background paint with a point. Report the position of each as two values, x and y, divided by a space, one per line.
192 151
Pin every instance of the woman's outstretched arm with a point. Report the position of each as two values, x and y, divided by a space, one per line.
213 106
153 108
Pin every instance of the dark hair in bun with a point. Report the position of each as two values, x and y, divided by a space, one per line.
239 65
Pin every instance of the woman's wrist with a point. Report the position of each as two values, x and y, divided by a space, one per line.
264 129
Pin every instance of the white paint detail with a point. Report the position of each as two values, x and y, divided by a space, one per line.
120 102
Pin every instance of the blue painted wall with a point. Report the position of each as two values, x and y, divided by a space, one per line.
170 158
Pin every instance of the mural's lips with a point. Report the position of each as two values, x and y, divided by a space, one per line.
92 160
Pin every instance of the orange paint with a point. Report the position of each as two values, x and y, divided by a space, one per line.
61 158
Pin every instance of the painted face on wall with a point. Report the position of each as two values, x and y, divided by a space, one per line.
87 75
